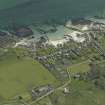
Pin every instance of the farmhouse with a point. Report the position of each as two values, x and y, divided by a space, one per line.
38 92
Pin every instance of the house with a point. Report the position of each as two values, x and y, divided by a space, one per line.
66 91
38 92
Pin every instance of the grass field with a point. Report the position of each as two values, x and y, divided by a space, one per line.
81 93
82 67
12 103
18 76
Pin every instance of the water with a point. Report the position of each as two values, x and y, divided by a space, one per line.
27 12
59 34
4 4
42 10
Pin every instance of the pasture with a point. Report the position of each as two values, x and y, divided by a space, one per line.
81 93
78 68
19 76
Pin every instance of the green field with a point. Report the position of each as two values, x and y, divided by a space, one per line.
18 76
77 68
81 93
11 103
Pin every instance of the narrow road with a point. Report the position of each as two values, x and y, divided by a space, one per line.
61 87
47 94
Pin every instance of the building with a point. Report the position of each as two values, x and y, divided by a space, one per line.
38 92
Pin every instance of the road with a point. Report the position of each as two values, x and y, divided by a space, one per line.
47 94
61 87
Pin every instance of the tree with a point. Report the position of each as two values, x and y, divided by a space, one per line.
94 72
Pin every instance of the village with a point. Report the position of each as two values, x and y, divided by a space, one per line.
74 47
81 44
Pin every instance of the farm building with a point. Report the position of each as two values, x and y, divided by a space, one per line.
38 92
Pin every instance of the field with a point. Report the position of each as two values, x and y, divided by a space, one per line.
81 93
18 76
81 67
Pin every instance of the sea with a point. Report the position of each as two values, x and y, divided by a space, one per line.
35 11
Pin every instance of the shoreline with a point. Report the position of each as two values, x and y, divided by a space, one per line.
61 36
56 42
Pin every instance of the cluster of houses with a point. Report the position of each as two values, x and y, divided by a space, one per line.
83 31
60 56
59 72
43 90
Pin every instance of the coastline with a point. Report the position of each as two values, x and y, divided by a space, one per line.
60 36
56 42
